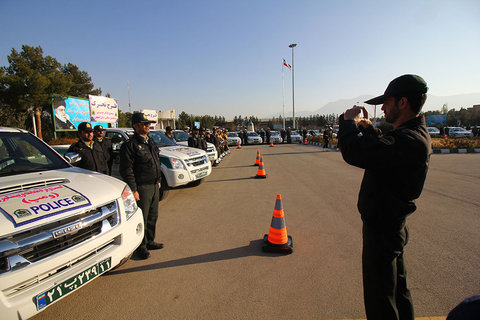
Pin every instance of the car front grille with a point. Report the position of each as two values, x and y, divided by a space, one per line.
197 161
20 250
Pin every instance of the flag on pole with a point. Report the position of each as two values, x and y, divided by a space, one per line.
287 65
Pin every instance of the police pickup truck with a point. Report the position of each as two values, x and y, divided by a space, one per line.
180 165
181 138
60 226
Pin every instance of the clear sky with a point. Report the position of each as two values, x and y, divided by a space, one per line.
224 57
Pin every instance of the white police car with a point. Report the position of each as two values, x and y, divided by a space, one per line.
181 138
275 137
234 139
296 137
253 138
180 165
60 226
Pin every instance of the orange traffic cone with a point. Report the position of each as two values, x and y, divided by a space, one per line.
239 146
277 240
261 170
257 161
271 144
306 141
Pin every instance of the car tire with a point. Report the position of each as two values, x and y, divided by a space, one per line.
163 189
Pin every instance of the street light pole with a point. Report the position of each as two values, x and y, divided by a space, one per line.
293 45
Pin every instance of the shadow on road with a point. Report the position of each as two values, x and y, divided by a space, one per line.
234 179
253 249
288 153
232 167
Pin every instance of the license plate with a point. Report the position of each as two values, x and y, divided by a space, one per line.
64 288
201 175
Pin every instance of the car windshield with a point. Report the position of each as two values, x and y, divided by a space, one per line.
274 133
253 134
294 132
22 153
181 135
161 139
232 134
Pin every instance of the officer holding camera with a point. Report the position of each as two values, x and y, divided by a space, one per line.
395 166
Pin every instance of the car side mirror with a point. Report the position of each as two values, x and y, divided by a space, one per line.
72 157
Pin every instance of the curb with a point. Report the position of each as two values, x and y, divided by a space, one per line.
447 151
318 144
435 151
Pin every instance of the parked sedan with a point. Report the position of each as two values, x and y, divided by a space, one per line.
433 131
459 132
253 138
234 139
275 137
296 137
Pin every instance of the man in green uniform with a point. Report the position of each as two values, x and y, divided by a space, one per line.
395 166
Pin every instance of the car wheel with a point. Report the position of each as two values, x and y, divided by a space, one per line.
163 189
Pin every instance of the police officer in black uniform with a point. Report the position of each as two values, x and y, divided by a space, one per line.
106 145
193 140
202 142
91 152
140 169
395 166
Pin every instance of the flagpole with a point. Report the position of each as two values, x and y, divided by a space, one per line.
283 92
293 45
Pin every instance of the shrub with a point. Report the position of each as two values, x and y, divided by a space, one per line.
455 143
58 141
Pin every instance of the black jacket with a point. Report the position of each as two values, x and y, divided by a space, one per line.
92 158
197 141
140 162
106 145
395 164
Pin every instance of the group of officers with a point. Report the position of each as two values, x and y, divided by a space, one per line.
199 138
140 165
139 168
95 151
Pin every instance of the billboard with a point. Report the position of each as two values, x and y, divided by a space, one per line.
103 109
151 115
69 112
436 119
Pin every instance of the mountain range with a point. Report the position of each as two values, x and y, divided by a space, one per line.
433 103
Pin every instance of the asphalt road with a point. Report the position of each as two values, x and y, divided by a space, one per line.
212 266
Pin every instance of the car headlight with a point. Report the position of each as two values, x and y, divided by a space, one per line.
129 202
177 164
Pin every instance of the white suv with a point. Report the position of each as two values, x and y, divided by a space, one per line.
60 226
181 138
180 165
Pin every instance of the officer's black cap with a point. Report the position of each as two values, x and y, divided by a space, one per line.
98 128
85 127
139 117
403 85
194 128
168 129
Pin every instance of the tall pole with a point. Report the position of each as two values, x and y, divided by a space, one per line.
129 107
293 45
283 93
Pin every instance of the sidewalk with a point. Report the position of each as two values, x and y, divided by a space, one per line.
435 151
